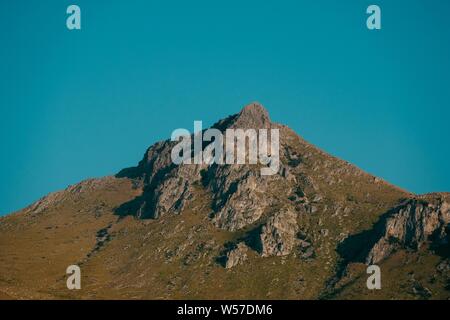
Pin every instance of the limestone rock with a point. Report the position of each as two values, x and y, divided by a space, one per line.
237 191
236 256
409 226
238 196
278 235
253 116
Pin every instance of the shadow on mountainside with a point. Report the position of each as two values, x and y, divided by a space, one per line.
131 173
356 248
132 207
143 206
249 236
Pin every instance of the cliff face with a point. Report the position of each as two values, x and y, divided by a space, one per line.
410 226
238 192
161 230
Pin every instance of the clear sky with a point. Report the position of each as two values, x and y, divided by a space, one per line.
87 103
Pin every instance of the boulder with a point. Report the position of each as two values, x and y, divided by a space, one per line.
278 235
236 256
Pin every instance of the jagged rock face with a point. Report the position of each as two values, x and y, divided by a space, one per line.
410 226
237 191
173 192
238 196
241 196
253 116
278 235
166 187
236 256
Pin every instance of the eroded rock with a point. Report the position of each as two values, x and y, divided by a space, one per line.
239 193
410 226
236 256
278 235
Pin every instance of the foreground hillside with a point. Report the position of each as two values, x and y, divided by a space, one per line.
161 231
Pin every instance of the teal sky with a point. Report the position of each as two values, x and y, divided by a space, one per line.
87 103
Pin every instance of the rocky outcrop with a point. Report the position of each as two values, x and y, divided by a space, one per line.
166 187
241 196
278 235
236 256
238 192
410 226
252 116
238 196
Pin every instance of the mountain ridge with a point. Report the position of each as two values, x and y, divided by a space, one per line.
304 225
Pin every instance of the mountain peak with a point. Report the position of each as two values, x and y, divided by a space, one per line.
254 108
254 116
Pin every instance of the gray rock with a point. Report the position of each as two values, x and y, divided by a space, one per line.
410 226
278 235
238 196
236 256
238 192
253 116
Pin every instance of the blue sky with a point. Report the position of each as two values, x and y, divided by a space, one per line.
80 104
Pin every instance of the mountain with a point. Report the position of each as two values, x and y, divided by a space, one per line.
225 231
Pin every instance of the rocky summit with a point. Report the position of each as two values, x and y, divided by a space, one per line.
165 231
